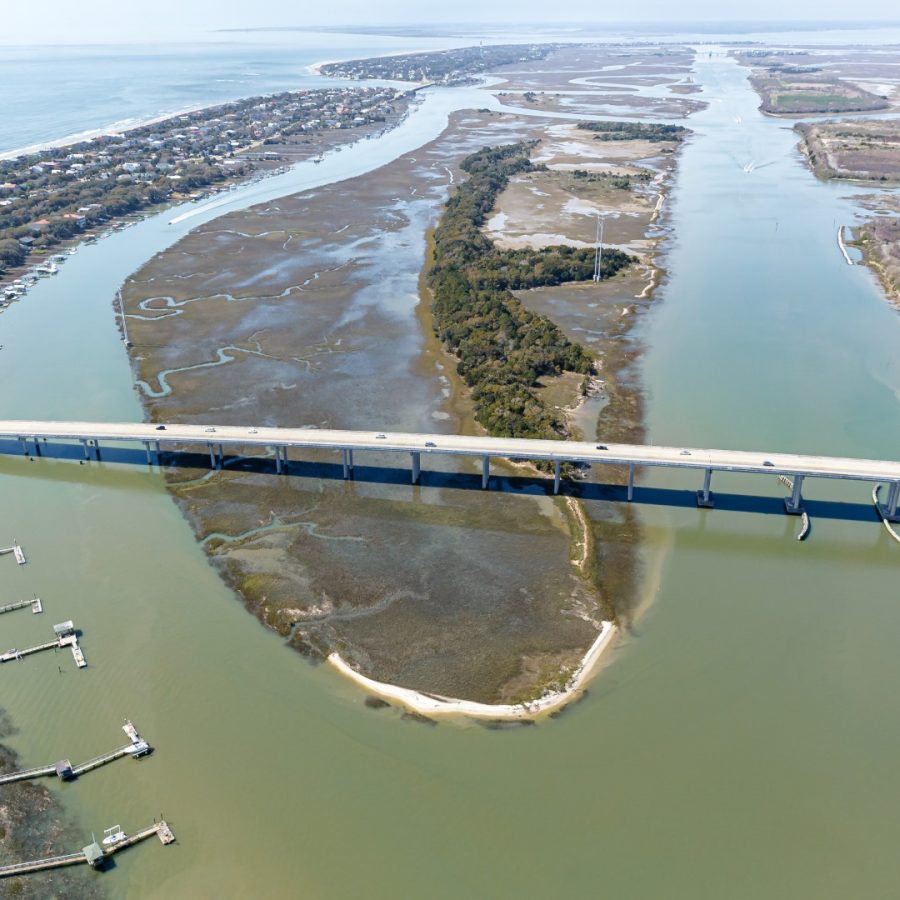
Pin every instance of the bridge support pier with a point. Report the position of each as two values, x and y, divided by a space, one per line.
97 450
149 457
277 460
889 509
24 444
793 505
221 456
87 455
284 460
348 462
704 497
631 483
37 447
212 456
485 471
416 466
557 466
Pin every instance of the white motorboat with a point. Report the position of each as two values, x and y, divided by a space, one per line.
113 835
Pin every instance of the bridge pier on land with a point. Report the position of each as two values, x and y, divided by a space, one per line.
704 496
793 505
557 475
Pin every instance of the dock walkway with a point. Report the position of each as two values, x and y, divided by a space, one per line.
35 604
16 551
137 748
92 854
66 636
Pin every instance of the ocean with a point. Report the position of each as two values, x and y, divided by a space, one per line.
52 92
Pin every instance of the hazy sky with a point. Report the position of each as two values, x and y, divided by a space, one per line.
104 20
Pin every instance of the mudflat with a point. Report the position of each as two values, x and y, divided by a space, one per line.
311 310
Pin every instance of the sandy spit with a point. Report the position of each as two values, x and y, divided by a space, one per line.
436 705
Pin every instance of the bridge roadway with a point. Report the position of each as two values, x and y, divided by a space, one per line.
215 437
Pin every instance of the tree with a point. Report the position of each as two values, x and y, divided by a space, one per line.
12 254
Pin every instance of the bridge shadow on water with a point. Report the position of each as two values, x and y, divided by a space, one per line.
436 479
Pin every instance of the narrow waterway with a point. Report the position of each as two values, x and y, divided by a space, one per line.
742 744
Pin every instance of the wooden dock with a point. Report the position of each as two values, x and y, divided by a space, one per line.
66 636
65 771
35 604
28 651
16 551
94 855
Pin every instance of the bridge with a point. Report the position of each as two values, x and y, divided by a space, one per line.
28 436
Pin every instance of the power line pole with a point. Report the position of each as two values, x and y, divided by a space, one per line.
598 255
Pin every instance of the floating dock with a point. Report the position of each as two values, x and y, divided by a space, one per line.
35 605
94 855
66 636
16 551
65 771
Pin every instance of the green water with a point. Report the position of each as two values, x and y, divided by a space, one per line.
742 743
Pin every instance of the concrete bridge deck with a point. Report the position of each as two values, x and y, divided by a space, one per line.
215 437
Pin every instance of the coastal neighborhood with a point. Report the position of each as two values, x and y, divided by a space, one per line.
448 67
53 196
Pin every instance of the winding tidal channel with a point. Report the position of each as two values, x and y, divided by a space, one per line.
742 743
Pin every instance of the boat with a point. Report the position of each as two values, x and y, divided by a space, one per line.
113 835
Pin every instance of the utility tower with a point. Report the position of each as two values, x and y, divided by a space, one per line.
598 254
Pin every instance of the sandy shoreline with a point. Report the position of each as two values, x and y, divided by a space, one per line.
436 705
114 128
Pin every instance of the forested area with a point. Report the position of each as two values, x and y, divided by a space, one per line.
503 349
635 131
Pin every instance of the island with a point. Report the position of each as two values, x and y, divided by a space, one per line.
448 67
451 291
864 150
799 82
